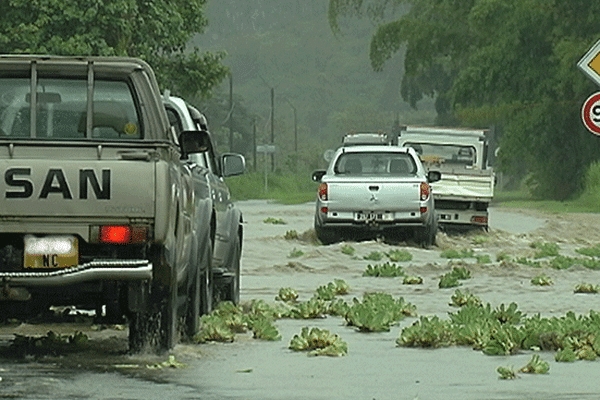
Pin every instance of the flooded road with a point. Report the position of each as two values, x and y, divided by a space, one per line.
375 367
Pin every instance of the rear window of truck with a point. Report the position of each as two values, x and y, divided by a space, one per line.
59 110
445 153
375 163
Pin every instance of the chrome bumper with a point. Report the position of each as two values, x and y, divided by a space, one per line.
118 270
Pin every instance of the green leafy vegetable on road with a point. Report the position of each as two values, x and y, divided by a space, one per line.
385 270
348 250
287 295
399 255
542 280
412 280
460 299
506 373
274 221
374 256
536 366
377 312
319 342
587 288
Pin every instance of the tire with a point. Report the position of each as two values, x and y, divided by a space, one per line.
138 332
426 236
155 329
326 235
232 285
206 283
192 315
200 290
168 333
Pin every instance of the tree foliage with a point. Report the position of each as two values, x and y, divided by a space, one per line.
503 63
156 30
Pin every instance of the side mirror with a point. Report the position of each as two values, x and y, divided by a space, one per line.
318 175
433 176
192 142
232 164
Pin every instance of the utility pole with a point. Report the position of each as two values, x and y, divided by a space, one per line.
231 112
295 125
272 127
254 142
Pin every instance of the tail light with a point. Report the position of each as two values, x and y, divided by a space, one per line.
323 191
425 190
122 234
480 220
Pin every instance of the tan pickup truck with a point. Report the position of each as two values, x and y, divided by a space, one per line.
101 204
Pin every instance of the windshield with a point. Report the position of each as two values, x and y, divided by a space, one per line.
375 163
61 109
444 153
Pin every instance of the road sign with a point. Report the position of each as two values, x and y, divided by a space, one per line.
267 149
590 63
590 113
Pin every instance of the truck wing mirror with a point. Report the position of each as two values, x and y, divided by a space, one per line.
232 164
192 142
318 175
434 176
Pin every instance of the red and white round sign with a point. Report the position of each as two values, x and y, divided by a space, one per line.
590 113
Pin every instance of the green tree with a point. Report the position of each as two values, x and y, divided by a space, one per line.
503 63
156 30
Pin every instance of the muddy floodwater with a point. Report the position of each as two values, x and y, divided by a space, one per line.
375 367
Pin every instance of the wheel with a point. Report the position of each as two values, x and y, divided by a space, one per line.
326 235
167 335
192 315
426 236
206 283
155 328
200 290
138 332
232 286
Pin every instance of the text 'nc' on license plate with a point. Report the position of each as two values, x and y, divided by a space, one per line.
51 252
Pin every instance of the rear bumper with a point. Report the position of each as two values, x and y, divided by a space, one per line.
115 270
369 226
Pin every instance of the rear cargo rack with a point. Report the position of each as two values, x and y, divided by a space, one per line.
90 100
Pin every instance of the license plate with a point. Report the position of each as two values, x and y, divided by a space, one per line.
51 252
372 216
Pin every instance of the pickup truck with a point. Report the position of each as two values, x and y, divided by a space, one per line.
466 189
101 204
222 283
375 190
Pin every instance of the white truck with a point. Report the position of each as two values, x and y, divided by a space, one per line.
463 195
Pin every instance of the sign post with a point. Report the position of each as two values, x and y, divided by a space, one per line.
266 149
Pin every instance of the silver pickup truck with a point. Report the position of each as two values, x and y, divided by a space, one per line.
375 190
101 205
223 281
